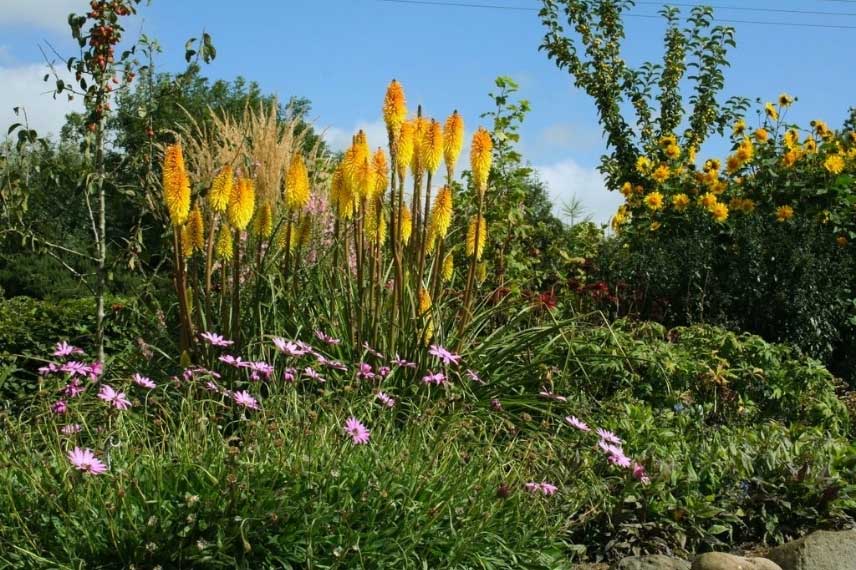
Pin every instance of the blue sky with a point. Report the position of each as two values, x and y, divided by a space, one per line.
341 54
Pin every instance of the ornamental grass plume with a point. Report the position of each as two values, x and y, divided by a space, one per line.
296 184
481 157
176 185
196 229
441 214
453 141
394 108
224 247
242 204
471 236
84 460
221 189
357 431
432 147
406 146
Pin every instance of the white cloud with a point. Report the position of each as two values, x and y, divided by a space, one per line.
23 86
568 179
52 14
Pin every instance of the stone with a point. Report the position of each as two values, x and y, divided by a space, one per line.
723 561
820 550
652 562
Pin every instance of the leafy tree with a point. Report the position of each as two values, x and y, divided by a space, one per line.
593 58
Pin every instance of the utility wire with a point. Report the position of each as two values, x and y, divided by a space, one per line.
527 9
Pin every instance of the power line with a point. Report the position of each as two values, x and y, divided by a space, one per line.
527 9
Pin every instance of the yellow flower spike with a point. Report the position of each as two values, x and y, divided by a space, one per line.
406 141
680 202
263 221
301 237
481 272
481 157
341 195
242 204
394 107
224 247
365 178
196 229
176 185
430 239
186 243
381 172
221 189
420 126
784 213
375 226
432 147
441 214
453 140
296 184
719 211
448 267
425 312
406 225
471 236
771 111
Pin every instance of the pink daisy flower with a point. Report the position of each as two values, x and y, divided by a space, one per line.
70 429
94 371
290 348
640 473
496 405
619 459
532 487
434 378
116 399
401 363
474 376
259 370
551 396
608 436
327 339
384 371
386 399
215 339
444 354
75 368
59 407
211 386
358 432
243 398
50 368
84 460
289 375
548 488
74 388
313 374
143 381
372 351
366 371
65 349
230 360
577 423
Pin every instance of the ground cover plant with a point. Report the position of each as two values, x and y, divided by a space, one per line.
303 359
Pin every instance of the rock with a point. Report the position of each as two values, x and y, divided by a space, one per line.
820 550
723 561
652 562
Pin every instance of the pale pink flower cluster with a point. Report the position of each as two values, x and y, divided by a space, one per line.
611 445
544 488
